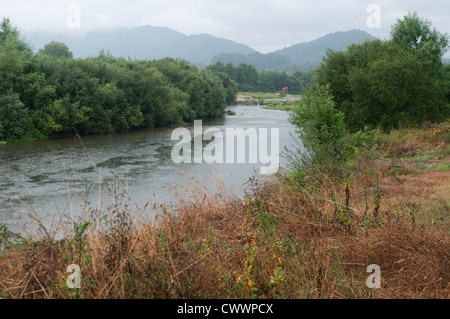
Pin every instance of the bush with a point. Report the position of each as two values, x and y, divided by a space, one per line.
51 94
15 122
390 84
321 129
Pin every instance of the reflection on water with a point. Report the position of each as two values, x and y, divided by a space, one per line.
44 175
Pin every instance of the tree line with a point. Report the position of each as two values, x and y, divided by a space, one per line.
400 81
373 87
248 79
50 94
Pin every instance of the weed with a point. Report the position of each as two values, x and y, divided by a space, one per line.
267 221
8 239
397 169
308 233
443 167
231 113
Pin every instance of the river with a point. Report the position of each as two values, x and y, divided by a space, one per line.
55 177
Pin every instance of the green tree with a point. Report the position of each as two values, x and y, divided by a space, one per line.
8 31
15 56
246 77
231 89
51 94
386 84
415 33
61 116
321 129
15 122
57 50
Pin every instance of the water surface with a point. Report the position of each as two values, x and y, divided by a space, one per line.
56 176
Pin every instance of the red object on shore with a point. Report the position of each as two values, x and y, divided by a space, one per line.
284 90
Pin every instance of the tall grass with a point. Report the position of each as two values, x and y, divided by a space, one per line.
287 239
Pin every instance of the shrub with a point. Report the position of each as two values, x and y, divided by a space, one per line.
15 122
321 129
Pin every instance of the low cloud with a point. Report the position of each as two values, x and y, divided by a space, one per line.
265 25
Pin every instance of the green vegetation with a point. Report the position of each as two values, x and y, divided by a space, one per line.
386 84
443 166
298 237
248 79
281 107
7 238
260 95
351 197
57 50
321 130
373 87
51 94
304 56
228 112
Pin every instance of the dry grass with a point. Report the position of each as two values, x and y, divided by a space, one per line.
289 239
408 141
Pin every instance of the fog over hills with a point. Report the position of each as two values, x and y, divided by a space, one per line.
314 50
146 42
149 42
303 56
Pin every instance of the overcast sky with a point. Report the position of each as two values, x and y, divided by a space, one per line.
265 25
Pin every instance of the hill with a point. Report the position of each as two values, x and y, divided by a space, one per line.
146 42
149 42
314 51
303 56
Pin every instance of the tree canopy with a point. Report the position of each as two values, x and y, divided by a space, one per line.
393 82
57 49
248 79
417 34
51 94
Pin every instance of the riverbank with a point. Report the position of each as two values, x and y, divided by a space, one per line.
142 158
286 240
267 99
288 106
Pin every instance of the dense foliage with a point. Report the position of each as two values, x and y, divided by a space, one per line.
249 79
51 94
377 84
322 133
305 56
391 83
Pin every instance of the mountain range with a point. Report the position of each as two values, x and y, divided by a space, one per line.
149 42
303 56
145 42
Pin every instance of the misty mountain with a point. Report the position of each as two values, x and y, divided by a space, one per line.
146 42
150 43
314 51
303 56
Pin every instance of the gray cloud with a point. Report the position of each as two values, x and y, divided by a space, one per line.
265 25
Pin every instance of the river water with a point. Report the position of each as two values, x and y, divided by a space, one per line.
55 177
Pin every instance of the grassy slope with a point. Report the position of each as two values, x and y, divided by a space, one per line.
285 241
